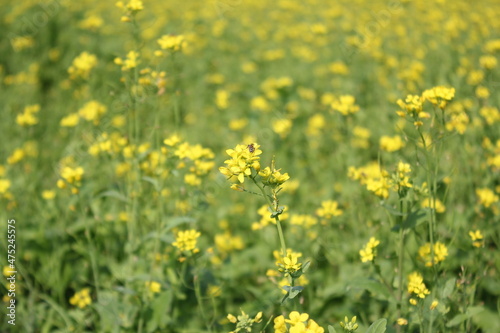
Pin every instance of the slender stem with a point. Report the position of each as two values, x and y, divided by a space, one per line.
280 234
400 259
197 292
278 223
432 196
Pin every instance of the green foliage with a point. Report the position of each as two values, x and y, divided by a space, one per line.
299 162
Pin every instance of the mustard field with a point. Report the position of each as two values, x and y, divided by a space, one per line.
250 166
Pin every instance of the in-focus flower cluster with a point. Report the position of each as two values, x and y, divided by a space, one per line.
244 322
289 264
244 159
273 177
349 326
413 105
296 323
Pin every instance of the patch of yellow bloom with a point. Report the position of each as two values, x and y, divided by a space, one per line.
82 65
297 323
391 144
345 104
369 252
440 253
131 61
244 159
477 238
172 43
416 285
28 117
329 209
81 299
186 241
436 204
92 111
153 286
486 197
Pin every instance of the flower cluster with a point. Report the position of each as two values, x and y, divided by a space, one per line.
413 105
369 252
131 61
329 209
477 238
82 65
345 105
81 299
71 177
28 117
289 264
130 9
244 322
297 323
171 43
349 326
439 96
273 177
266 217
400 178
416 285
440 253
186 241
244 159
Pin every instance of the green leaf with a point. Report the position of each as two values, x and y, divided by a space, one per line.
176 221
378 327
152 181
291 292
457 320
448 288
305 267
373 286
331 329
413 220
114 194
392 210
472 311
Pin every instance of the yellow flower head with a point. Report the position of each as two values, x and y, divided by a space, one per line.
440 253
82 65
244 159
369 252
81 298
416 285
244 322
185 241
329 209
477 238
439 96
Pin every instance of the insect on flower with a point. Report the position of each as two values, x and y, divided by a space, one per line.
251 148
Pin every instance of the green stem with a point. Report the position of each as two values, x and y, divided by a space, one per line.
401 261
197 292
432 197
278 223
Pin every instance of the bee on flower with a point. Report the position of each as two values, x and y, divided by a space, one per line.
244 159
